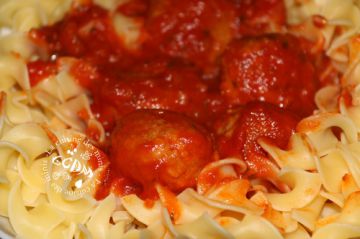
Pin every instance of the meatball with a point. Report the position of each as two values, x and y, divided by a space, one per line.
260 16
272 68
153 146
193 30
239 134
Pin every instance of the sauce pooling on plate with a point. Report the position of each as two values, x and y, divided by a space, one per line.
203 79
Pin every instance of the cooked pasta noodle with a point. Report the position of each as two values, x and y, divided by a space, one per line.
320 170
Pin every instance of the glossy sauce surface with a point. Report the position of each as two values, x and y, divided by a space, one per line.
269 68
160 147
251 123
196 62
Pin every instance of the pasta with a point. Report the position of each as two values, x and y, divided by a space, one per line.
320 170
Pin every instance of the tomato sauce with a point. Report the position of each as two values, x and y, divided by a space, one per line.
261 16
253 122
39 70
196 58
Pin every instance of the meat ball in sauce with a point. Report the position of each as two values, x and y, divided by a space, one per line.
240 132
261 16
196 31
272 68
153 146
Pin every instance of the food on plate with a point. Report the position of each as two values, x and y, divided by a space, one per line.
153 146
180 119
269 68
254 121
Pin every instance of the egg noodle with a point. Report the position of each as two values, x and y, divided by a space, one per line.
41 198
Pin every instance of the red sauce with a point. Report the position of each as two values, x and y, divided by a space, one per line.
213 178
40 70
319 21
193 58
269 68
261 16
134 8
347 97
196 31
87 27
257 121
149 203
175 88
171 203
164 147
109 182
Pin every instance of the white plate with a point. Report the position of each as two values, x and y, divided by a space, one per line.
6 232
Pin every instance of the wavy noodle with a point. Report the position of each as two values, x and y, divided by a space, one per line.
282 220
348 185
65 100
300 233
4 197
31 138
98 224
136 207
226 169
63 232
110 4
326 98
24 15
224 206
337 231
249 228
347 16
193 208
332 168
305 187
352 162
27 139
17 110
16 42
36 223
203 227
54 189
299 149
33 176
308 215
336 198
234 193
129 29
318 126
13 70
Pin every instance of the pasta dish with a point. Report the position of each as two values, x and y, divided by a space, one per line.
180 119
